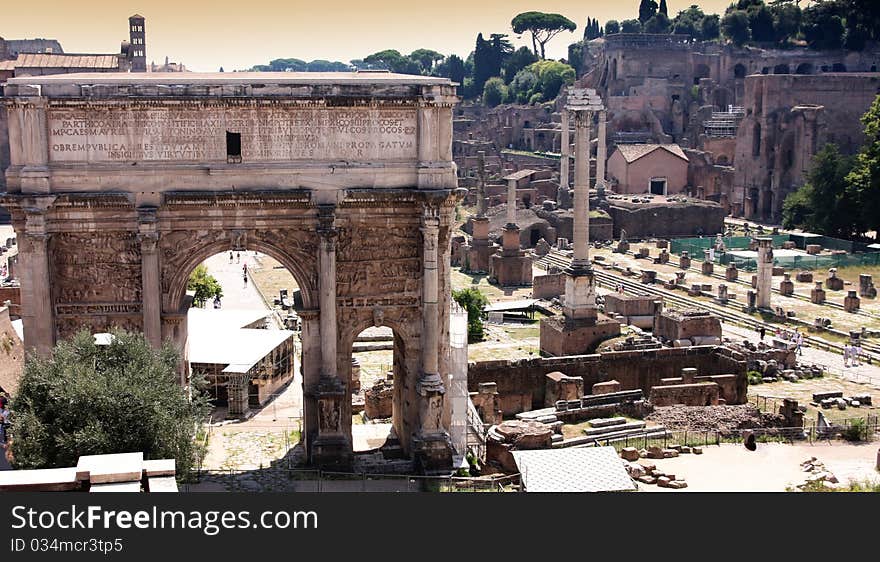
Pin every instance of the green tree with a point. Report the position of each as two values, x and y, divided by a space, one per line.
824 204
89 399
426 59
520 59
823 25
551 75
864 180
453 68
576 56
688 21
392 60
494 91
204 284
542 26
473 301
735 27
612 26
710 27
658 23
663 9
786 22
630 26
761 24
523 86
647 10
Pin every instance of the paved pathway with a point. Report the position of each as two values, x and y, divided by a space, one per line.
833 361
236 294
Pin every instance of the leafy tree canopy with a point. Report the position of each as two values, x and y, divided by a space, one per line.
473 301
204 284
542 26
89 399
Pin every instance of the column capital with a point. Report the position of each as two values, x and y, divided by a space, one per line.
149 241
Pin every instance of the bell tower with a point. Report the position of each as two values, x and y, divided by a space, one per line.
138 41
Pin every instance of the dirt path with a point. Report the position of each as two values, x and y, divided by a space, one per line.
771 468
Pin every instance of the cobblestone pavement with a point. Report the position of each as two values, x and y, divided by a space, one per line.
832 361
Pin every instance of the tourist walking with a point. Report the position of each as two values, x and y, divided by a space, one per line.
857 353
237 257
800 343
230 257
217 301
846 354
763 332
245 279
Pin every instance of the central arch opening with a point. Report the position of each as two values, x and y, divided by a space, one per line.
243 335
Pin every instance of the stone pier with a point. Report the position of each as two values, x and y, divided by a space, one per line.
817 294
786 286
480 254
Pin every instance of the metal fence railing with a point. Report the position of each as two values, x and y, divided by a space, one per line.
314 480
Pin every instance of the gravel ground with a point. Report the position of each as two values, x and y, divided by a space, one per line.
713 418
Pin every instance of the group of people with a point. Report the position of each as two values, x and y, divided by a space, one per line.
244 271
852 353
795 338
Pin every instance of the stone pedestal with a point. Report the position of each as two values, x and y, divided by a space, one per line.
751 300
431 445
511 267
786 286
561 336
817 294
731 273
622 247
707 268
866 286
662 244
722 294
643 253
804 277
684 261
649 276
851 302
663 257
833 283
481 247
813 249
331 448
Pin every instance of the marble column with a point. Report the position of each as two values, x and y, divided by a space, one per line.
511 203
481 184
765 272
581 229
430 292
151 291
562 194
601 154
327 293
37 310
431 441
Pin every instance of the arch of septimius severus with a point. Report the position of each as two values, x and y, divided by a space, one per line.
120 184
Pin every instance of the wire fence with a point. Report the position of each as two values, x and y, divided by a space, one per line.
703 438
315 480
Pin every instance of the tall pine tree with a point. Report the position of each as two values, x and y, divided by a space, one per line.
663 9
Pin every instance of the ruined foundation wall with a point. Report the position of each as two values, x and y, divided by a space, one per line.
521 384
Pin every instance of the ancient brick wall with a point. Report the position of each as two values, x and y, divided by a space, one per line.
548 286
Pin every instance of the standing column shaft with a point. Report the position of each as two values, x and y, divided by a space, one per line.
40 335
564 147
511 202
151 294
581 189
430 293
328 299
601 154
481 183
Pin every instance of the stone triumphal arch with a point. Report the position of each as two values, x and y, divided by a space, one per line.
120 184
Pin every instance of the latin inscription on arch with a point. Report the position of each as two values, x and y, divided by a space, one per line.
199 134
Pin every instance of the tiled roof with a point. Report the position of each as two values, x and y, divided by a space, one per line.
632 152
54 60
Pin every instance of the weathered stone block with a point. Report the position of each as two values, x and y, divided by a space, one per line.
630 454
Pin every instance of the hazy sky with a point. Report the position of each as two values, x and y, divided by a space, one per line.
205 35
